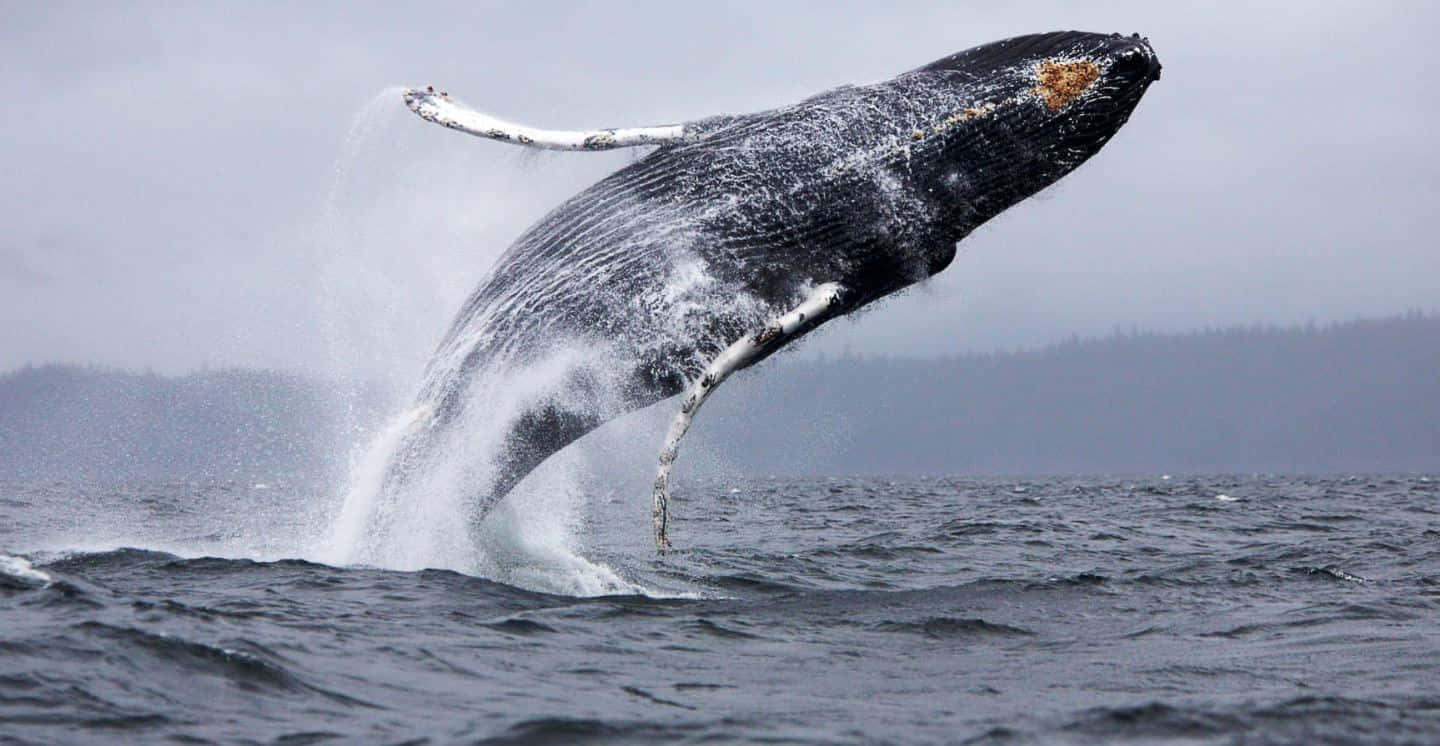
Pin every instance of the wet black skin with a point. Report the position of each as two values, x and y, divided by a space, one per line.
864 186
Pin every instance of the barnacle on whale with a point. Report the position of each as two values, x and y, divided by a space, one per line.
1059 83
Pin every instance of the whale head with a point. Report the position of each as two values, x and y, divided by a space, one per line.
1039 106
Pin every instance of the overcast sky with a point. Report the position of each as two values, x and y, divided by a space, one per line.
191 184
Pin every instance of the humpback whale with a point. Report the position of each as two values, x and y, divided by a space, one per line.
739 234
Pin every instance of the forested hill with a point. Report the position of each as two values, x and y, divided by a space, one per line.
1358 396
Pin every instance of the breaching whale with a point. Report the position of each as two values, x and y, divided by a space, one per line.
739 234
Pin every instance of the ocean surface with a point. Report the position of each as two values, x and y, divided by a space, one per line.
1251 610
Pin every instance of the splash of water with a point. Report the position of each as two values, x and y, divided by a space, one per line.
347 535
370 287
337 238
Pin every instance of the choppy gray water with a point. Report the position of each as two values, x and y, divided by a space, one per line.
1087 610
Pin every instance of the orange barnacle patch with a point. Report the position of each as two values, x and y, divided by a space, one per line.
1059 83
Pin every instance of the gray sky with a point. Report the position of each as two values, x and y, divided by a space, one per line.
192 184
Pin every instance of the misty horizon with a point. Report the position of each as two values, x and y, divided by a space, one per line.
1346 397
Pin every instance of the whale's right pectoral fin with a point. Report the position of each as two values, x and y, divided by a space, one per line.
437 106
821 304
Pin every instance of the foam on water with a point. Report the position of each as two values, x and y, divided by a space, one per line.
21 569
530 539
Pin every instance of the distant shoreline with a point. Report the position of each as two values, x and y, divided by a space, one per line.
1343 398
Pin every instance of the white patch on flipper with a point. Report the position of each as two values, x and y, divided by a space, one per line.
819 304
438 107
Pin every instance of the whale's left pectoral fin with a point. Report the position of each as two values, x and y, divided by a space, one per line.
822 303
437 106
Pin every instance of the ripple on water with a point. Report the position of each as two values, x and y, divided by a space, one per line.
1145 620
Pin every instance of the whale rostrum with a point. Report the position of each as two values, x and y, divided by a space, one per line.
737 235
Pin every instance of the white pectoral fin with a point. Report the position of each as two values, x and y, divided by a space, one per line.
437 106
822 303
